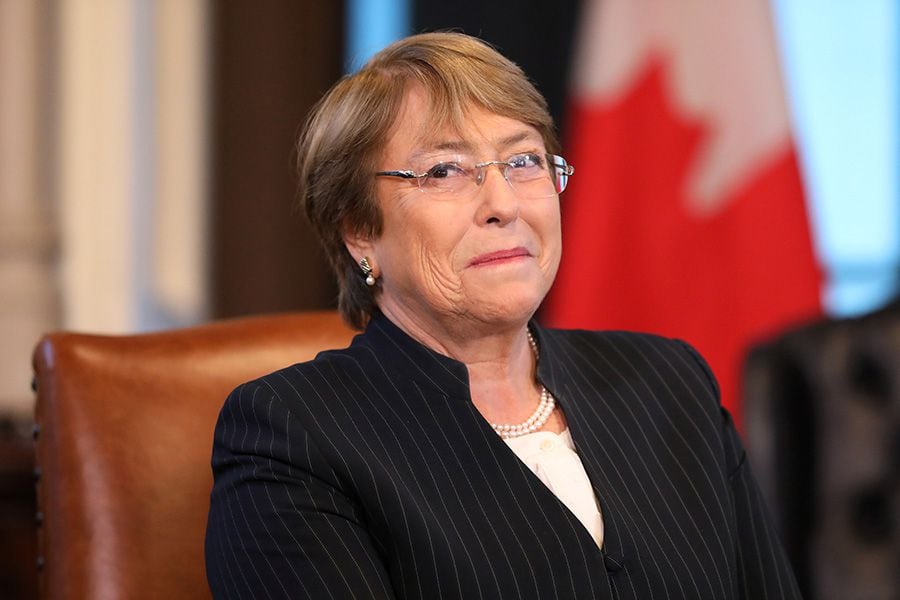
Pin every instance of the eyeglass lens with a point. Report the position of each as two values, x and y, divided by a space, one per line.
530 175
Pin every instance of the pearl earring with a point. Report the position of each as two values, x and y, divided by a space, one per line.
367 270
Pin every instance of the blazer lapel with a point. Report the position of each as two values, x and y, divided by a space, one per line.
588 422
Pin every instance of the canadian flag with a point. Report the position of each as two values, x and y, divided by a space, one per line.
686 214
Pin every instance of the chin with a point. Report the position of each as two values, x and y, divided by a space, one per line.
511 307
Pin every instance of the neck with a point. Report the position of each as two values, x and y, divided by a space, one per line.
498 357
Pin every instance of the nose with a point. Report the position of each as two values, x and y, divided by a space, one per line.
499 203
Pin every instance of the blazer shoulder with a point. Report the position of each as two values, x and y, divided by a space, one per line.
609 340
642 352
315 379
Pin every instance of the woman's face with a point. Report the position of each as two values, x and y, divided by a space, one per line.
488 257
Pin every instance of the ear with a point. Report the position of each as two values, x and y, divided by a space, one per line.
359 245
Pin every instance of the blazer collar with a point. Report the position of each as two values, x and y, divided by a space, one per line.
549 359
411 361
403 354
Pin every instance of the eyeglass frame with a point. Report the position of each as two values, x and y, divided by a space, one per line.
566 169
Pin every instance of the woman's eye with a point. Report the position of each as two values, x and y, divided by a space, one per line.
444 170
525 161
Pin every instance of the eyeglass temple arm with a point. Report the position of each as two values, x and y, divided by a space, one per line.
403 174
566 168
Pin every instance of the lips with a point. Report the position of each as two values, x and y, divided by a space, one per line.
498 256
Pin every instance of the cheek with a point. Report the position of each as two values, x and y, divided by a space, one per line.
439 252
422 246
441 227
435 274
547 226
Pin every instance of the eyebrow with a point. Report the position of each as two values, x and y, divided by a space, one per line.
460 146
464 147
518 137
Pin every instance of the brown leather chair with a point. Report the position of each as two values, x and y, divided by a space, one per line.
124 437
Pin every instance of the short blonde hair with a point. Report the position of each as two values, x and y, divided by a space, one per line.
348 128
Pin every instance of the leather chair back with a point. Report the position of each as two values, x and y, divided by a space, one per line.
124 438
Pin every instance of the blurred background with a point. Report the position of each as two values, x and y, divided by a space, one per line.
736 164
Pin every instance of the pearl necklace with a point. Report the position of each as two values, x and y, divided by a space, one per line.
538 418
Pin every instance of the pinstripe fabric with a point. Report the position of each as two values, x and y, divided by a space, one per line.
368 473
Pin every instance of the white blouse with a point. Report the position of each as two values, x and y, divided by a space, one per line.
553 459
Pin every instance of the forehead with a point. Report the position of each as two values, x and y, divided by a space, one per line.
418 130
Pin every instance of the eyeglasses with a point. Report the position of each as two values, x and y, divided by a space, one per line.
530 175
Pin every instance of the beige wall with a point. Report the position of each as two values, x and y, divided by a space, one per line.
28 287
132 163
103 172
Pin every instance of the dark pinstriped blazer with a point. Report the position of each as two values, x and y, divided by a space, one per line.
369 473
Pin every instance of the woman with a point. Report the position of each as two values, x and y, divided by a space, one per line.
456 449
